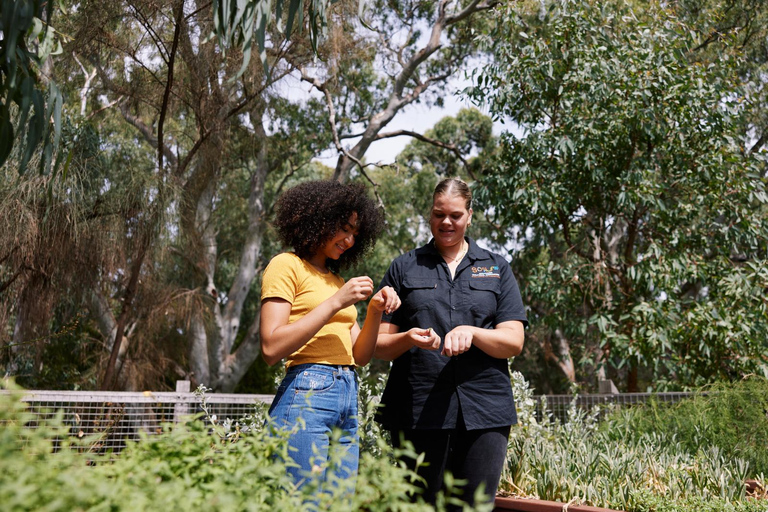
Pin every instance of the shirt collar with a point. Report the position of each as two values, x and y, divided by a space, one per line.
474 252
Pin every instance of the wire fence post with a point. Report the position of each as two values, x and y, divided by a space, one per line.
181 408
607 387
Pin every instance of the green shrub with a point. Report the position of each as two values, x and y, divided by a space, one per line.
730 416
226 465
609 464
187 467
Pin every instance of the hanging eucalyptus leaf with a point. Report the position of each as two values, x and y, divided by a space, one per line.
27 43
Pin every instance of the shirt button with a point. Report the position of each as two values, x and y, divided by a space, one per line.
453 308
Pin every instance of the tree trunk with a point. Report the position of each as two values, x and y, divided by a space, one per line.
232 366
198 352
560 353
632 384
105 320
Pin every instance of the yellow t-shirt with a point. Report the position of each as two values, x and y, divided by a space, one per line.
290 278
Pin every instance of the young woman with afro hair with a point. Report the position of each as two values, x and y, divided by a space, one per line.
308 316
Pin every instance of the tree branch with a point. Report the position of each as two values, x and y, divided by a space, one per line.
428 140
322 87
87 86
168 86
759 143
146 131
398 98
469 10
4 286
152 34
105 107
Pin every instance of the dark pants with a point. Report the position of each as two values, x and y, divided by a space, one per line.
476 456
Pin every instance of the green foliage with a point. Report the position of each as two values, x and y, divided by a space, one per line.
646 501
732 417
578 461
26 44
198 465
218 465
406 187
464 135
741 27
239 23
641 223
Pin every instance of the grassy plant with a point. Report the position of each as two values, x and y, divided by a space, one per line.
184 468
611 464
646 501
732 416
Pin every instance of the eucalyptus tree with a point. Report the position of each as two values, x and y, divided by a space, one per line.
215 130
356 95
408 52
222 135
741 27
641 220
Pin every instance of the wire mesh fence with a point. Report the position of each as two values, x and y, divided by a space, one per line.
110 420
556 407
113 419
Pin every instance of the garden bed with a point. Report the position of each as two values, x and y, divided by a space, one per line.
503 504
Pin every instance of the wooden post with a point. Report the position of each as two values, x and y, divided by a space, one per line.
607 387
181 408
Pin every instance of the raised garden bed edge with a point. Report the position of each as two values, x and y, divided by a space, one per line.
502 504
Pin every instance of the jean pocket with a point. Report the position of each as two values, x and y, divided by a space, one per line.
314 381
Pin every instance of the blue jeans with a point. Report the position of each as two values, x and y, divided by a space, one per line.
315 400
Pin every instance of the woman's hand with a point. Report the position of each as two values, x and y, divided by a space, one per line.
392 343
386 300
426 339
364 340
458 341
354 290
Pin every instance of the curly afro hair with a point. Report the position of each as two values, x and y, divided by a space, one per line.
311 213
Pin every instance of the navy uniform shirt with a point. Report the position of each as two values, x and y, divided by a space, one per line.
426 388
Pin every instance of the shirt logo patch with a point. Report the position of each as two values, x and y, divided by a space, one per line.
492 271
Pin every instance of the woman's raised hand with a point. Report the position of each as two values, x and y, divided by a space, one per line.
386 300
354 290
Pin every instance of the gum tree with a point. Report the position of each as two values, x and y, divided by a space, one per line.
211 136
408 53
640 215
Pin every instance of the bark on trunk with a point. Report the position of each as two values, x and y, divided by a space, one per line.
632 382
560 353
232 366
198 352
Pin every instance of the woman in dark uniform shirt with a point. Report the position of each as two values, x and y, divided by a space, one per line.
462 317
